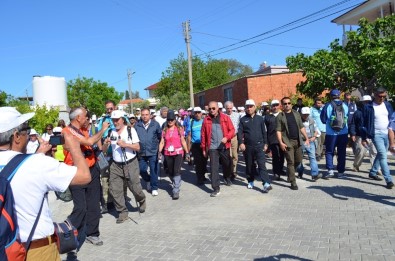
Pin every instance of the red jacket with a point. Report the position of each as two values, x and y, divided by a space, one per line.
227 129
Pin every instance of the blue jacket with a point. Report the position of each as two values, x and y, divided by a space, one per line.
368 119
326 114
356 126
315 115
149 138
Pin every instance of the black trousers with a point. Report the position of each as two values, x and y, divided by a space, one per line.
226 161
86 211
278 159
255 153
200 161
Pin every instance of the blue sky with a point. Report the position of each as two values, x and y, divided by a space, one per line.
102 39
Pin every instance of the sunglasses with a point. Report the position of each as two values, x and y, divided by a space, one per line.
275 105
287 103
110 109
171 120
212 108
382 96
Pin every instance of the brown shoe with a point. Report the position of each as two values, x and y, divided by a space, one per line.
122 217
142 206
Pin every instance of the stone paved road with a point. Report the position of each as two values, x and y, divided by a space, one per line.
348 219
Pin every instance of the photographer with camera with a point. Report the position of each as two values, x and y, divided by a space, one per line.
124 167
86 199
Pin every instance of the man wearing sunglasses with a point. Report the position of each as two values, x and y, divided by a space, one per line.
376 115
37 175
290 129
274 147
217 132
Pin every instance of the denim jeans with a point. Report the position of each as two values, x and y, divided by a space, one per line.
381 143
313 162
152 162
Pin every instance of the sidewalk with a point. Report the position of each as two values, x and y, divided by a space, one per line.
347 219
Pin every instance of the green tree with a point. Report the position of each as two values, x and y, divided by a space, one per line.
127 97
3 98
206 74
366 61
44 116
90 93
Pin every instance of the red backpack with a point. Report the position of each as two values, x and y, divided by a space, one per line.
11 247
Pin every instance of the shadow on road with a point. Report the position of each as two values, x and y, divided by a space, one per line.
282 257
346 192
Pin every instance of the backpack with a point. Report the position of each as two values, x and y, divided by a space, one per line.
338 118
11 247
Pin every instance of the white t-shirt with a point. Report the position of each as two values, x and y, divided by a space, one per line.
117 153
380 118
35 177
32 146
160 120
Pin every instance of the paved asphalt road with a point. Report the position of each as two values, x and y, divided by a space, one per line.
336 219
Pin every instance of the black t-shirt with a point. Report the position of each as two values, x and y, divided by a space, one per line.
292 126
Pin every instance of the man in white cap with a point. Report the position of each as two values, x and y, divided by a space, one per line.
312 132
40 174
125 166
193 142
252 141
241 111
274 147
356 126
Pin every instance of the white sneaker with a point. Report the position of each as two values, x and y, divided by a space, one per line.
148 186
250 185
155 192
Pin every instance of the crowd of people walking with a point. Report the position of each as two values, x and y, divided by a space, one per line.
136 146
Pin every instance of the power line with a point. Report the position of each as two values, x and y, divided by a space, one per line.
280 32
273 44
287 25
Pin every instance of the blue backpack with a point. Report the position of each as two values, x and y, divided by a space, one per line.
10 246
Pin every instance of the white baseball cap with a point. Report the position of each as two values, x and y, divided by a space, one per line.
117 114
94 117
366 98
197 109
250 102
274 102
11 118
189 109
241 108
264 104
305 110
220 105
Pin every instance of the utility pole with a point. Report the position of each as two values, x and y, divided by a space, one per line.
130 89
188 41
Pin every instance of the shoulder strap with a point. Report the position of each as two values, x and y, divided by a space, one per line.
129 128
9 172
13 165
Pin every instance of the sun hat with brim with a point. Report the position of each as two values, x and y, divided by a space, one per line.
33 132
11 118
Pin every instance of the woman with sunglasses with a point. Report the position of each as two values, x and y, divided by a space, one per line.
174 145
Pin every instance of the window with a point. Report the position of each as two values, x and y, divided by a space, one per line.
228 94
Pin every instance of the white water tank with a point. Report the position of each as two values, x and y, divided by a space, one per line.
51 91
